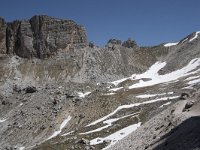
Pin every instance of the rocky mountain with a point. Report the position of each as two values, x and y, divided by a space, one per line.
40 37
58 91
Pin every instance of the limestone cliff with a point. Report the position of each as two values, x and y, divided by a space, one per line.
40 37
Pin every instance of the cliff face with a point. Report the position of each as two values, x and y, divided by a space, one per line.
40 37
2 36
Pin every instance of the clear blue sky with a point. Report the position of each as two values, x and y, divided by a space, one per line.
148 22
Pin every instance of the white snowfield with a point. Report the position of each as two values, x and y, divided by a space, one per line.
82 95
130 106
171 44
196 35
152 73
63 124
113 138
108 123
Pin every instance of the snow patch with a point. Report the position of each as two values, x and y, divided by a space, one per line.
110 93
157 79
165 104
116 89
196 35
21 148
116 136
82 95
194 81
130 106
170 44
119 81
151 72
67 133
108 123
2 120
191 78
184 40
63 124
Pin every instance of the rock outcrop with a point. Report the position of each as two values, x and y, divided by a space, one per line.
129 43
2 36
40 37
115 42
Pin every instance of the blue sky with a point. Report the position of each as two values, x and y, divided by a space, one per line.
148 22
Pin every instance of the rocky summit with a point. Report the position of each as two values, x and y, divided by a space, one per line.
59 91
40 37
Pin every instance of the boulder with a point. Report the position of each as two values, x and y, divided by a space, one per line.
184 96
84 141
30 89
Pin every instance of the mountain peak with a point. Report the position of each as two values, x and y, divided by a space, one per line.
41 36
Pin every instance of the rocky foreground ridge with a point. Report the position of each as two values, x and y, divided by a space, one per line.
86 97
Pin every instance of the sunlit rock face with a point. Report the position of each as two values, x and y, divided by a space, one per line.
41 36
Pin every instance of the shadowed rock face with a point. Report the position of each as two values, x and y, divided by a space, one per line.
41 36
185 136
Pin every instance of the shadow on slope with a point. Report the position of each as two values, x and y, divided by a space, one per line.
186 136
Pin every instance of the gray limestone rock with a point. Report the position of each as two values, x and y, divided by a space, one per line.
2 36
129 43
41 36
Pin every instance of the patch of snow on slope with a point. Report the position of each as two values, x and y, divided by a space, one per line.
165 104
170 44
157 79
63 124
116 136
119 81
194 81
130 106
153 95
67 133
108 123
191 78
196 35
152 70
110 93
184 40
21 148
116 89
82 95
2 120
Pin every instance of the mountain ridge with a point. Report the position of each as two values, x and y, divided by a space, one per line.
89 97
